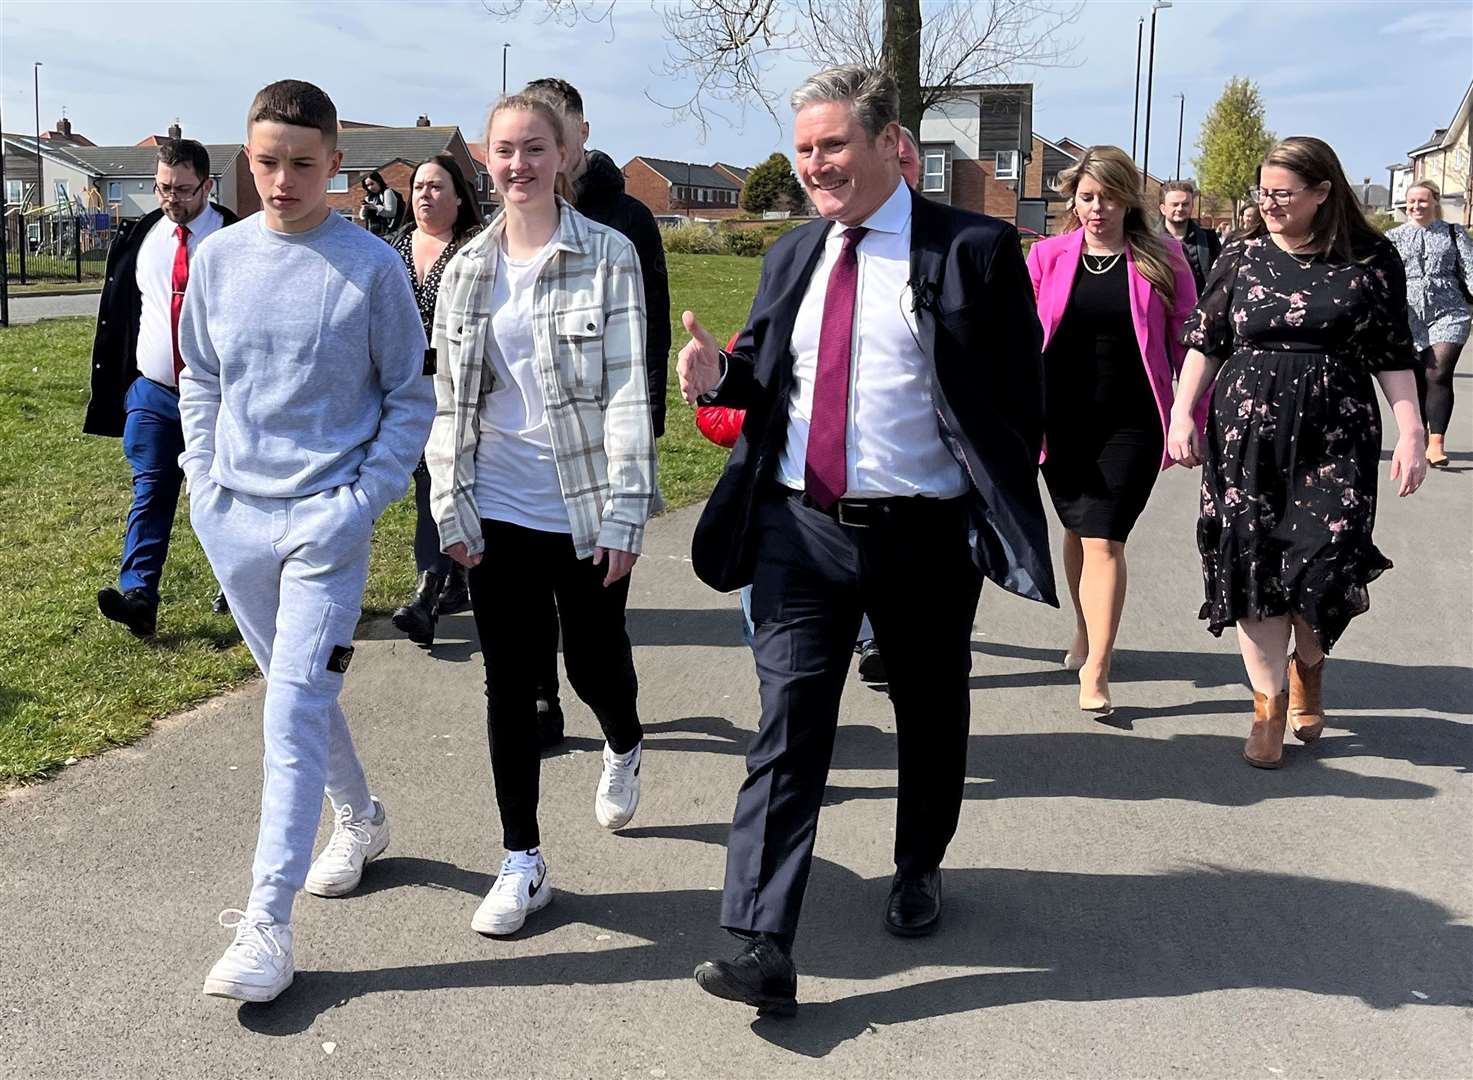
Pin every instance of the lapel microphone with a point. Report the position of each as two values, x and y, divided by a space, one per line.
924 294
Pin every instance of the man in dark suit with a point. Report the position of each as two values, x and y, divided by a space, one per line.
891 373
135 369
1202 246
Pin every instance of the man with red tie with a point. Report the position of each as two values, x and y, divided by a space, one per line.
891 373
135 368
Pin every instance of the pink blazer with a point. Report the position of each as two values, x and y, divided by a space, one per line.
1053 262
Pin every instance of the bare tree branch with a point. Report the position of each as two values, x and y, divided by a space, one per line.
729 47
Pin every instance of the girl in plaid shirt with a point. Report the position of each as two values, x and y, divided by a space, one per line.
542 472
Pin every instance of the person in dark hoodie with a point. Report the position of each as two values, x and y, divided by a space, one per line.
598 193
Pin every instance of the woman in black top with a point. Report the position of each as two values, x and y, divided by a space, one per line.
1111 295
382 210
445 217
1297 319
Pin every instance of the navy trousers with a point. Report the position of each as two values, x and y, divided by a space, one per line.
152 442
814 581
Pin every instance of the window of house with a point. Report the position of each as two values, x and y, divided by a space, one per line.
114 191
934 177
15 191
63 194
1007 165
338 183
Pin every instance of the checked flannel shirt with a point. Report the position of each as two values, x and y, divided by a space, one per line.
589 330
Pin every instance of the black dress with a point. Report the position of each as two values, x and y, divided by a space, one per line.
1101 418
1294 441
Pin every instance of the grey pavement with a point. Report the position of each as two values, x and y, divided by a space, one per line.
1122 900
29 309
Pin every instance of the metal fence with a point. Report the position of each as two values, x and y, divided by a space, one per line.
56 248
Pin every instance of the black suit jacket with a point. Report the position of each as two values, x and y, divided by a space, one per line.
976 320
115 346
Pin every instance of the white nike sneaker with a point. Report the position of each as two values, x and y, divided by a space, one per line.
258 965
354 844
618 788
521 888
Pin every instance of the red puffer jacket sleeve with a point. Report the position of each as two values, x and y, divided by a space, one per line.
720 424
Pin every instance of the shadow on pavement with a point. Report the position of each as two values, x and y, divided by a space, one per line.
1099 764
1369 684
1060 937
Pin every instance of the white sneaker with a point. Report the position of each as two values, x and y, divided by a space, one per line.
618 788
521 888
354 844
258 965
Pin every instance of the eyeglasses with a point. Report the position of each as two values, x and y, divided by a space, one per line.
168 191
1279 196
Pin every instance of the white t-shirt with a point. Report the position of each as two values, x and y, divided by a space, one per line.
516 473
155 272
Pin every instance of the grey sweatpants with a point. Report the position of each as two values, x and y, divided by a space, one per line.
294 572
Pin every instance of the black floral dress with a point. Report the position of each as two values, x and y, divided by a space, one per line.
1294 443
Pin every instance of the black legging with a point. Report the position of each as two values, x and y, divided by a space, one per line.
1440 360
427 555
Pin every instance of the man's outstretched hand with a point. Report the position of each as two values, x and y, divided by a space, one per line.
699 365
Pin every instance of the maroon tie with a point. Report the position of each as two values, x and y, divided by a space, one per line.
178 280
826 469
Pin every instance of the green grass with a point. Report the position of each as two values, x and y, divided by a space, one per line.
88 285
72 683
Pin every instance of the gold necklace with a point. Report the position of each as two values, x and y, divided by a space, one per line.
1103 267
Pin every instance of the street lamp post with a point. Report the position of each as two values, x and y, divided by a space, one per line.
1150 78
1135 112
1180 117
40 181
504 46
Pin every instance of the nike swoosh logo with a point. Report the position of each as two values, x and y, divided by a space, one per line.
535 886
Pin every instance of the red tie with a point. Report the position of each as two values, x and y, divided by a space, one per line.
826 467
177 281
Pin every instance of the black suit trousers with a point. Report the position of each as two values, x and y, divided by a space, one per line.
813 580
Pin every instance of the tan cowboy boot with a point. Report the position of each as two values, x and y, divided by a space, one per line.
1265 746
1306 699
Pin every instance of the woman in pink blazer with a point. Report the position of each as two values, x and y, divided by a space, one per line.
1112 294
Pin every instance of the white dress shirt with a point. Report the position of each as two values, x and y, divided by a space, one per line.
893 443
155 274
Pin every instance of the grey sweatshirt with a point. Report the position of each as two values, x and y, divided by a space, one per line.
304 360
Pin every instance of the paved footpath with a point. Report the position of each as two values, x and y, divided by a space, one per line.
29 309
1127 900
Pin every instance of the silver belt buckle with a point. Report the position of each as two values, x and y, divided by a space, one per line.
839 513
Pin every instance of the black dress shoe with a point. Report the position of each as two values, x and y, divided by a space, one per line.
549 723
871 667
455 595
417 618
762 975
220 605
136 609
914 907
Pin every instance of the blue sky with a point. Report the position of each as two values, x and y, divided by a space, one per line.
1373 78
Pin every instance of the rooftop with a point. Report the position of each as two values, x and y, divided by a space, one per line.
684 172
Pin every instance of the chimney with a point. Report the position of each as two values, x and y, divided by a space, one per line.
64 127
423 121
175 131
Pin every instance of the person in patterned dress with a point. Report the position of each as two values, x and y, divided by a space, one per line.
446 215
1439 266
1298 318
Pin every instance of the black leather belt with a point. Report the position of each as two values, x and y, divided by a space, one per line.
867 513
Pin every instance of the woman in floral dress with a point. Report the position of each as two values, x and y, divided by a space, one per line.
1296 320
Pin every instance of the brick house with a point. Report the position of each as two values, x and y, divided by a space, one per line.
974 149
685 188
394 152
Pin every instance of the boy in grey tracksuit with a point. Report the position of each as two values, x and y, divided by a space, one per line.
305 405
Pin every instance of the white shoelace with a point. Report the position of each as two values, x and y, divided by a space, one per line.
513 868
617 770
345 834
250 935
